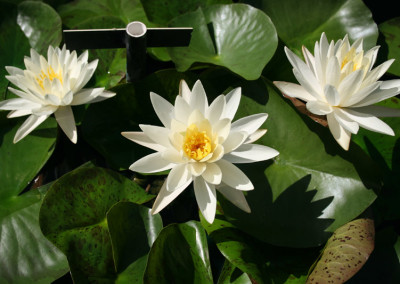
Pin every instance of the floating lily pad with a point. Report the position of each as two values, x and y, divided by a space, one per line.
74 217
391 31
237 36
179 255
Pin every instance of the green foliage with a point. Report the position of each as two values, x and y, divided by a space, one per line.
244 43
390 30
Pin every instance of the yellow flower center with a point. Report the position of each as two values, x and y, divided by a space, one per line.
197 144
354 58
51 75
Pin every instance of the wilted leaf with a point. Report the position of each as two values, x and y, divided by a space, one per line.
345 253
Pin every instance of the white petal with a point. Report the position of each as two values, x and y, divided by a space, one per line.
378 72
158 134
294 91
182 109
368 121
360 95
206 198
344 121
28 126
103 96
341 135
151 164
351 83
249 124
234 140
216 109
184 91
53 99
27 95
255 136
18 104
163 109
232 102
222 128
333 71
233 176
141 139
18 113
172 155
235 196
165 197
197 168
331 95
66 120
380 111
179 176
249 153
85 96
198 98
212 173
214 156
387 89
319 108
195 117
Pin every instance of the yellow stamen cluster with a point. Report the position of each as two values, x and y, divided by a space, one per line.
354 58
197 144
50 75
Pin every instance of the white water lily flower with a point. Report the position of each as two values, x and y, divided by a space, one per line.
199 143
51 86
338 81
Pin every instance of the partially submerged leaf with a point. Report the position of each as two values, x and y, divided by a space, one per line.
345 253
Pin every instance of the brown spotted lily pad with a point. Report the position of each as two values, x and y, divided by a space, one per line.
345 253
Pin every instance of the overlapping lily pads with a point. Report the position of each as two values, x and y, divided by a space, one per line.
22 241
237 36
75 216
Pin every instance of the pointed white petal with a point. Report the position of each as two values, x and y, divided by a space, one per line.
360 95
222 128
18 113
249 153
387 89
255 136
319 107
333 71
179 176
165 197
233 176
341 135
249 124
294 91
235 196
28 126
198 98
182 109
216 109
141 139
184 91
350 84
214 156
234 140
380 111
172 155
331 95
206 198
197 168
85 96
163 109
151 164
18 104
345 122
232 102
158 134
212 173
66 120
53 99
368 121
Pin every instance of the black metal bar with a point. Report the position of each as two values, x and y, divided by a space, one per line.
135 50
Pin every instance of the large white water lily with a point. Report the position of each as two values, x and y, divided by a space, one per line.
338 81
51 86
199 143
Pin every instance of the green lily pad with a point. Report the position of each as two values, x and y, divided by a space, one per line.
179 255
230 274
13 47
41 24
237 36
262 263
161 12
133 230
302 22
26 255
391 30
105 121
312 187
345 253
74 217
